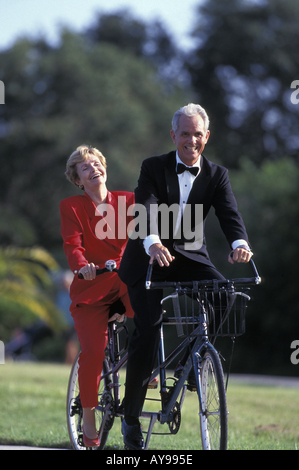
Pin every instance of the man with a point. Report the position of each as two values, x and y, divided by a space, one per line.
167 180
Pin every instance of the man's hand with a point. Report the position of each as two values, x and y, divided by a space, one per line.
240 255
161 254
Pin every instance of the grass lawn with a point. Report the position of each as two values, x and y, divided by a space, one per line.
32 412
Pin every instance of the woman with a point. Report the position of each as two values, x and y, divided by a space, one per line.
86 250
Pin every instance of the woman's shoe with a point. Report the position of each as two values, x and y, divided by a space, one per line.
90 442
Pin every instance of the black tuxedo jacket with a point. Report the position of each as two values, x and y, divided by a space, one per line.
158 184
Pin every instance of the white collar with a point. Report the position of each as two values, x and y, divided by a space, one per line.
196 165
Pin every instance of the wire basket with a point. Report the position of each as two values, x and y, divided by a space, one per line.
224 311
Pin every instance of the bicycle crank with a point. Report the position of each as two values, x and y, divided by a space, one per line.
175 423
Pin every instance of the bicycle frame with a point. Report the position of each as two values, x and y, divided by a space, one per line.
165 415
201 344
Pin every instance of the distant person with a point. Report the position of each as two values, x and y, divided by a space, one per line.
184 177
92 297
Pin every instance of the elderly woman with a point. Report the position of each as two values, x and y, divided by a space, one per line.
86 250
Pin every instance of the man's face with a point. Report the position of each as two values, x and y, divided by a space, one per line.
190 138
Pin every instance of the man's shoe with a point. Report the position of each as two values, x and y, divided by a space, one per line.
132 436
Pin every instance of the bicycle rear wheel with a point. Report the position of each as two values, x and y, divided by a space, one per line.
74 409
213 419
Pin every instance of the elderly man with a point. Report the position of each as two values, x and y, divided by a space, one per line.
184 179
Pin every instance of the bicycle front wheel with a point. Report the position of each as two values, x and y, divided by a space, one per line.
213 416
74 409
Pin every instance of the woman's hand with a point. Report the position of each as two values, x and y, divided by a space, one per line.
89 271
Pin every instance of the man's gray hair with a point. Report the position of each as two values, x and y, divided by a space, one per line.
189 111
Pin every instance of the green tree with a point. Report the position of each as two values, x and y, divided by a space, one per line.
244 60
268 197
150 41
58 98
26 288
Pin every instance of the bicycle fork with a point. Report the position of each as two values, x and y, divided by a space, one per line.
197 356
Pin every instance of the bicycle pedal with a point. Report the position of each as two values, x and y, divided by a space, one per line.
191 388
153 385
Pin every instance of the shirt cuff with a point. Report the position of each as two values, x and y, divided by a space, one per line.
149 241
238 243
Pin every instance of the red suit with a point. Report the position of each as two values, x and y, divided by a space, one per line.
91 300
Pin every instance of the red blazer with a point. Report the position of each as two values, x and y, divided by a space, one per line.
79 218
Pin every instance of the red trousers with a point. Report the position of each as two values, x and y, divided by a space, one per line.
91 323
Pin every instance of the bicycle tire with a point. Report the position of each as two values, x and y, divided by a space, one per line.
74 409
213 419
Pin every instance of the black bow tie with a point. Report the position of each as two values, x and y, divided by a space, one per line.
181 168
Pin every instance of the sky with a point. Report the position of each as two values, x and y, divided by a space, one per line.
45 17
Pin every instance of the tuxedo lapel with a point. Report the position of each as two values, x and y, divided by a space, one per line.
172 183
199 189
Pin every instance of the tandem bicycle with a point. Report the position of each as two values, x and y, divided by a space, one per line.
201 311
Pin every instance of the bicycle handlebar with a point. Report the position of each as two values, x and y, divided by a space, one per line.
206 283
110 266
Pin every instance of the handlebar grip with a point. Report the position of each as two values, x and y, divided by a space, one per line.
98 272
148 281
258 279
110 266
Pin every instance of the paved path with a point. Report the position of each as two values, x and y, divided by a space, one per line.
288 382
25 448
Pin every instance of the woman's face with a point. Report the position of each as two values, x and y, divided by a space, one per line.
91 173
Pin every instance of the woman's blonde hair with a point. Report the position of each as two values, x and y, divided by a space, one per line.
80 155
